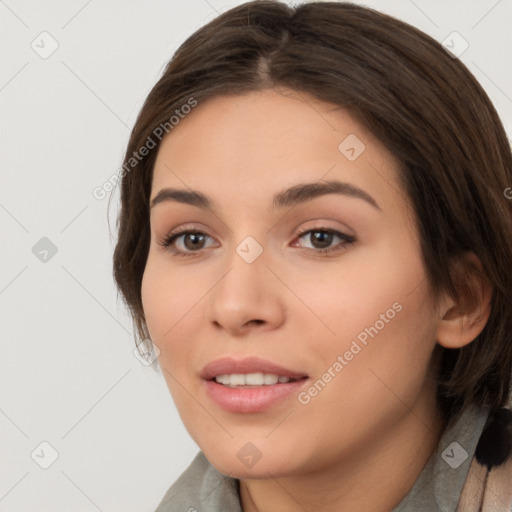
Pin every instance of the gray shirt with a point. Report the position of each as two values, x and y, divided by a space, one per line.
201 488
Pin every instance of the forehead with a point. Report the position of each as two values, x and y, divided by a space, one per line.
254 144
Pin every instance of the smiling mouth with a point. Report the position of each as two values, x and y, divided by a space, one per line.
250 385
252 380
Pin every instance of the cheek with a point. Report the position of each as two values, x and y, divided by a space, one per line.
154 300
168 302
384 330
348 299
384 360
168 306
168 296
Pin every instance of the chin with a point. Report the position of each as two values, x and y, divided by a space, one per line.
248 462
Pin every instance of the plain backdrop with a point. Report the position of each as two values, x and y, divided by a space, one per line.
112 439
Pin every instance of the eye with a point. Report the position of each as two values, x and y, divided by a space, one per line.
192 241
324 237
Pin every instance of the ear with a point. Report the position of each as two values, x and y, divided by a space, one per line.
462 320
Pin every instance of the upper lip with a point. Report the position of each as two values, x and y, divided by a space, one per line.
229 366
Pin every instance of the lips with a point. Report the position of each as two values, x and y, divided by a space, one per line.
229 383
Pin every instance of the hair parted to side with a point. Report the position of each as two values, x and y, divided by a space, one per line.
419 101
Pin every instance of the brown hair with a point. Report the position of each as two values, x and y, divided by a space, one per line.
421 102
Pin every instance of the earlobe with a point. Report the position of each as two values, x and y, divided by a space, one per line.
462 320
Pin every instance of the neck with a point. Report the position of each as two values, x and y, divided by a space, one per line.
375 479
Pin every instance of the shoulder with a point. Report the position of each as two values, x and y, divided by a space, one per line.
201 487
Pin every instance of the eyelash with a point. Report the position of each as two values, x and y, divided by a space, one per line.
168 240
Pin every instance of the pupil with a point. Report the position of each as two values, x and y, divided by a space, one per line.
323 237
193 236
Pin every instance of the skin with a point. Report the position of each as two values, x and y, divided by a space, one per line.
375 424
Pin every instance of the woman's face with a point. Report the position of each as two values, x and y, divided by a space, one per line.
254 297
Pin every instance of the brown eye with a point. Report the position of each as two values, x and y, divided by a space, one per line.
185 243
193 241
321 240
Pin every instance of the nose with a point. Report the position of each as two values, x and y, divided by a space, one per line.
248 297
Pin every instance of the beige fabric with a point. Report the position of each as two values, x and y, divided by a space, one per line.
487 491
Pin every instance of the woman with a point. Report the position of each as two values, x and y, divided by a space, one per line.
315 234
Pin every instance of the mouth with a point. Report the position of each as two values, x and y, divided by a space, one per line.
249 385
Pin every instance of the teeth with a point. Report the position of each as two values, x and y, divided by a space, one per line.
271 379
223 379
237 379
250 379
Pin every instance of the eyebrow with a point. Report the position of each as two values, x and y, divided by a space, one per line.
292 196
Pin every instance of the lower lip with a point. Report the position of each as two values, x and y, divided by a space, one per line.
248 400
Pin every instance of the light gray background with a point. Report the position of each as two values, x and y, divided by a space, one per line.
67 369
